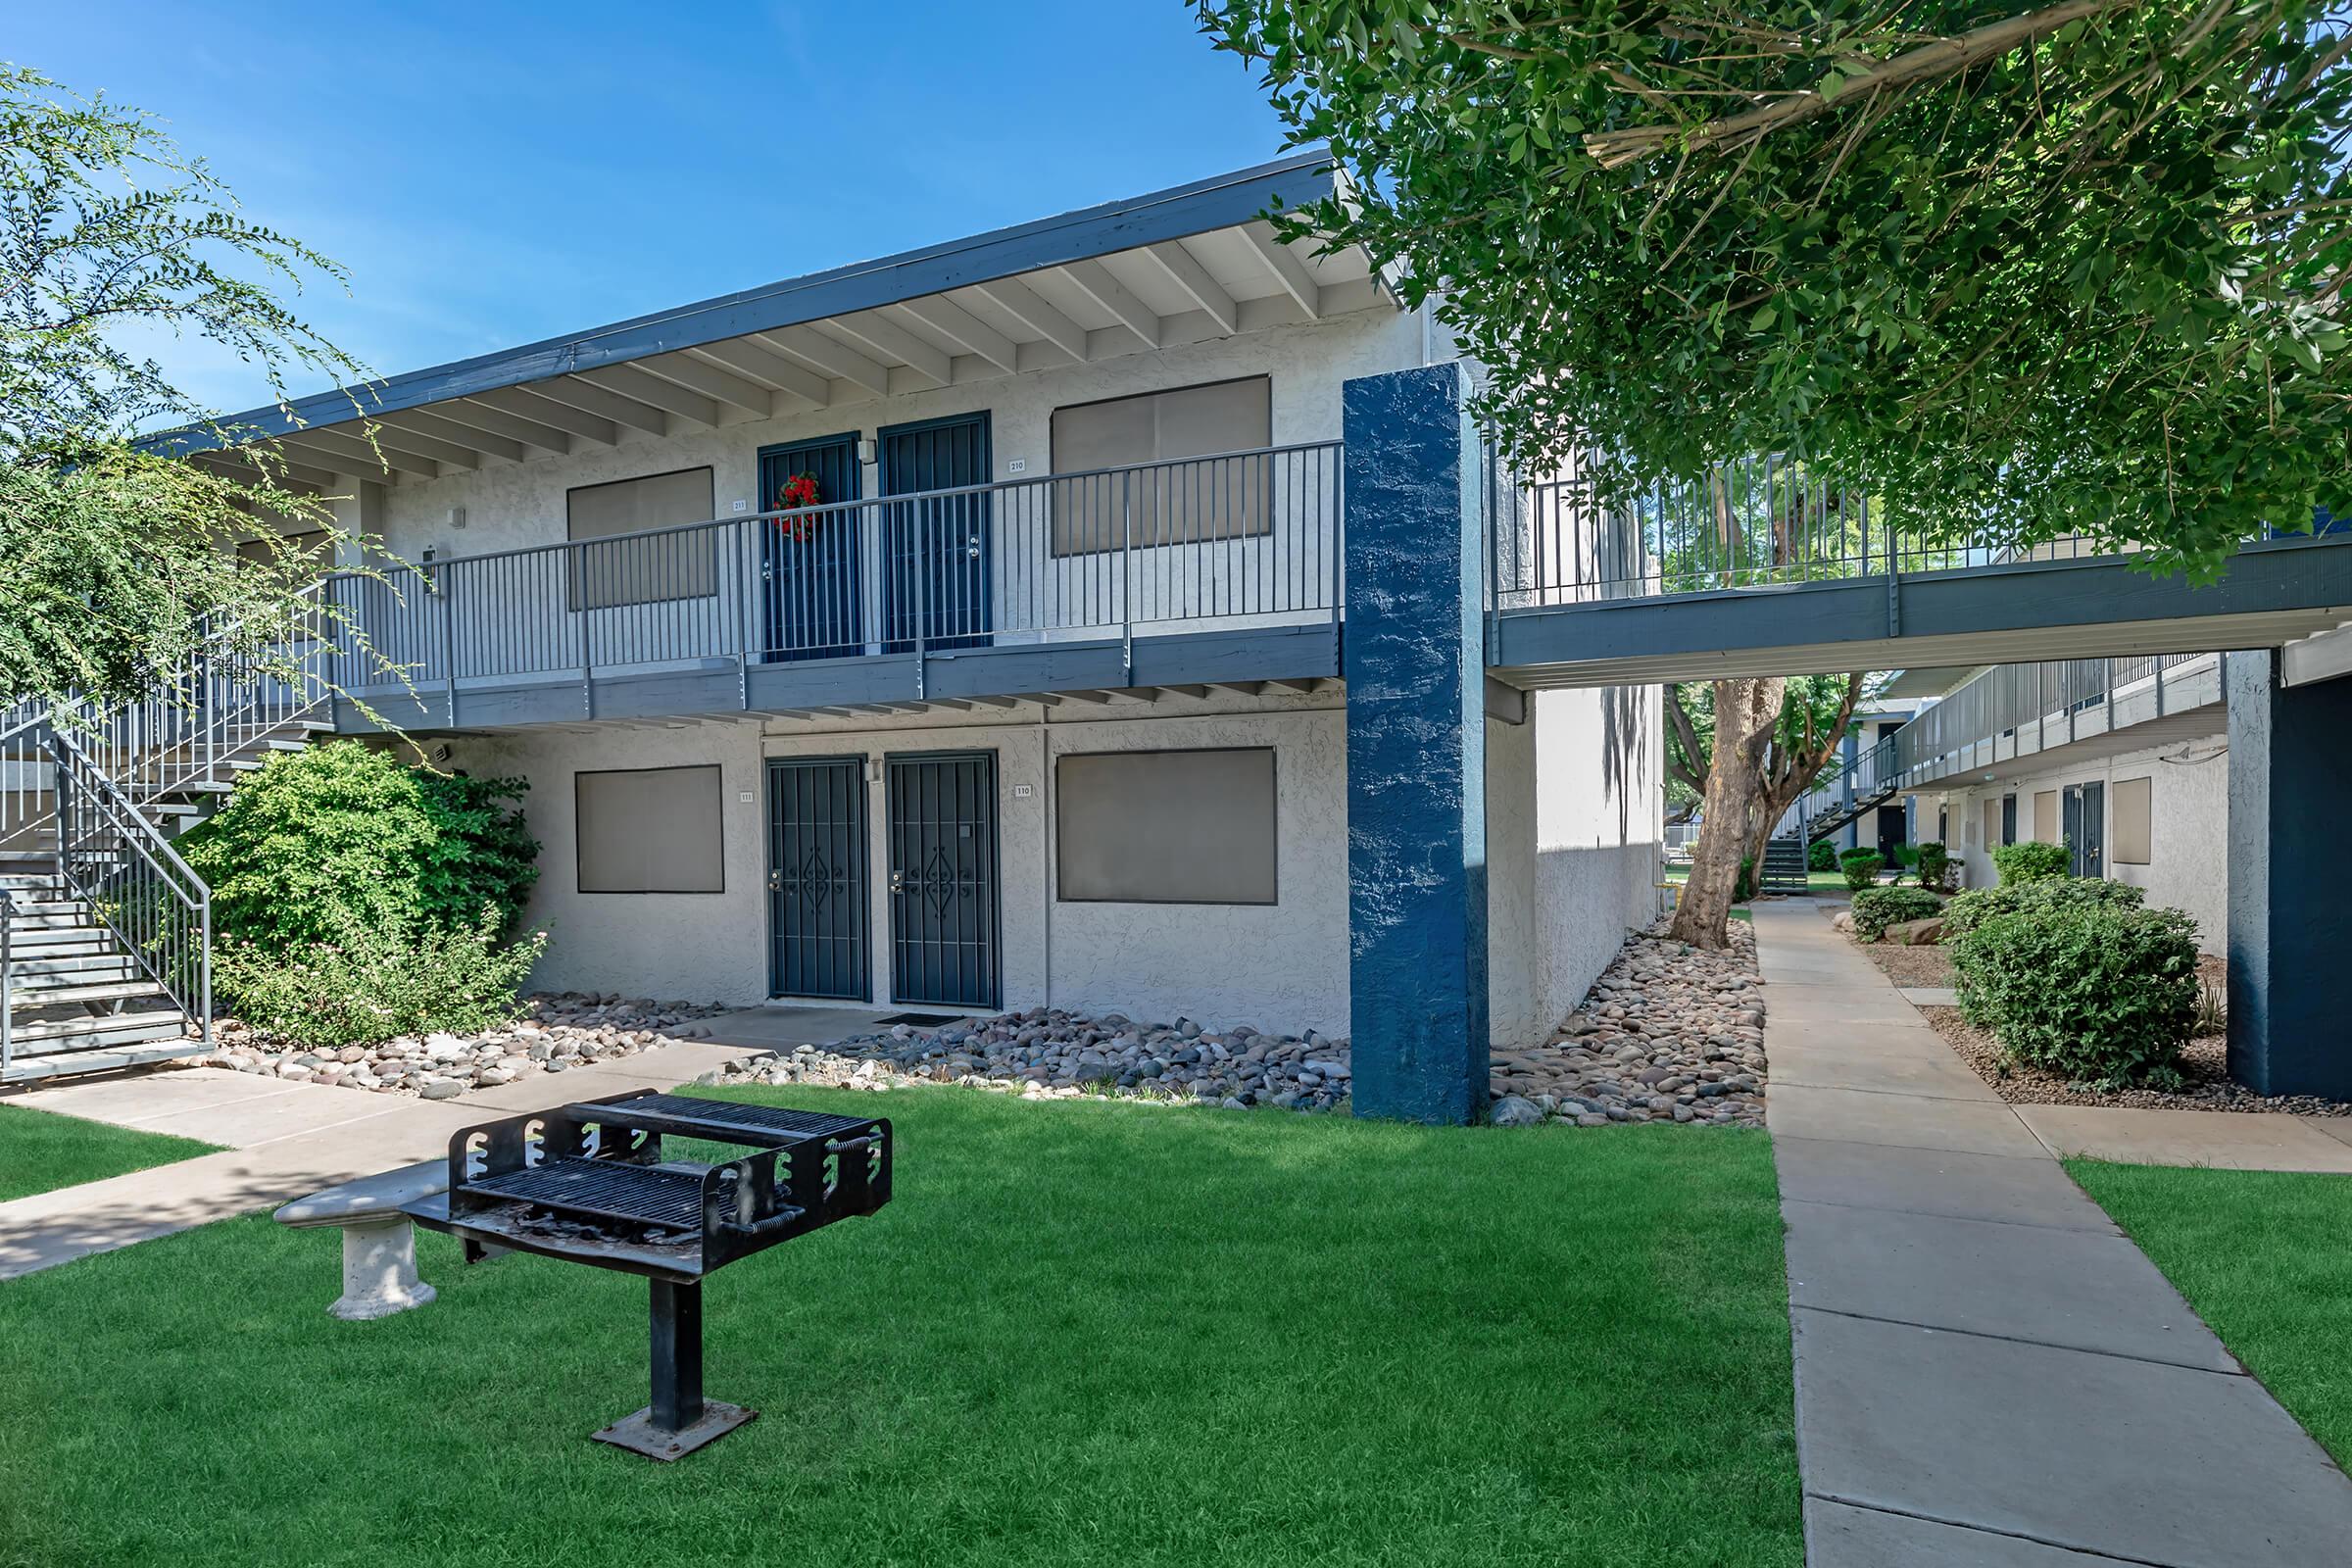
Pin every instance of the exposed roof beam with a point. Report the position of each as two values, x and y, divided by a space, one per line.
573 392
235 464
723 386
1192 278
894 342
1110 293
549 414
472 414
643 386
1240 688
344 454
1305 688
445 452
760 365
1023 303
1290 272
959 326
829 355
1187 691
993 702
419 421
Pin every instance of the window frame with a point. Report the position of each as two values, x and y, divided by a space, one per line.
575 574
1273 754
1055 473
579 871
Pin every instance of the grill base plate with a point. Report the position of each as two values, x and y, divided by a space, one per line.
638 1434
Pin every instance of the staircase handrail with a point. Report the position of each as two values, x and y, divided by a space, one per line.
188 714
152 901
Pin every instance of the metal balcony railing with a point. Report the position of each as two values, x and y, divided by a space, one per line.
1192 544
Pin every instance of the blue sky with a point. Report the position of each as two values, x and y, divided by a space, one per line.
493 173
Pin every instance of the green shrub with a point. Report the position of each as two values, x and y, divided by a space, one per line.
1935 865
1973 909
2103 992
376 983
1861 868
1877 908
1744 886
338 838
2030 860
1822 856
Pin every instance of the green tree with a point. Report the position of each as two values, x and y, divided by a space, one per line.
116 558
1809 718
2023 270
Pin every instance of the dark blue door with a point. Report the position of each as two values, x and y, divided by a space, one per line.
811 566
943 912
936 551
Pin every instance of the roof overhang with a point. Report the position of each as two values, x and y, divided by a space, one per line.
1178 266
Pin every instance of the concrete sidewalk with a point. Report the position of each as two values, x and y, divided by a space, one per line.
283 1140
1989 1373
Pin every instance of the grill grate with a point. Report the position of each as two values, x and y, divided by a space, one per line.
724 1113
609 1189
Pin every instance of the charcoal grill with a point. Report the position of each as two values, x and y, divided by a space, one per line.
588 1183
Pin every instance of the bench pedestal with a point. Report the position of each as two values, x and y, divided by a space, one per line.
379 1270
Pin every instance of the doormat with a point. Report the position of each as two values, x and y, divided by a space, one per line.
922 1020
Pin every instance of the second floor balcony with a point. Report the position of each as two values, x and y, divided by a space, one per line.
1210 568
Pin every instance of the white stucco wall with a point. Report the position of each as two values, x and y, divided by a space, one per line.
2188 822
1575 818
1282 966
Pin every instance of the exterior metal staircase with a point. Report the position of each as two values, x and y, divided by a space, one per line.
105 932
1783 868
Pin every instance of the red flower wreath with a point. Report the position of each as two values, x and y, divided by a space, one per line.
797 492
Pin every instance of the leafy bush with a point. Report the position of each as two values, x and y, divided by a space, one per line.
2100 992
1744 886
1822 856
338 838
2030 860
1877 908
376 983
1861 868
1973 909
1935 865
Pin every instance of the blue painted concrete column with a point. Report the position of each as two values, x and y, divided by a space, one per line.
1417 748
2290 861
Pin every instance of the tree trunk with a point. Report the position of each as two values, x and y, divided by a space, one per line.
1745 713
1789 771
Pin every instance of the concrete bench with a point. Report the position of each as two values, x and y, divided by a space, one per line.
379 1244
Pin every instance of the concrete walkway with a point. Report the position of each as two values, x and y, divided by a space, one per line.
283 1140
1989 1373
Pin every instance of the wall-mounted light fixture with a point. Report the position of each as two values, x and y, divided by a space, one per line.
866 451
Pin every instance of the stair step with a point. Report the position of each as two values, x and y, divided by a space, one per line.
31 946
108 990
37 976
32 1068
111 1028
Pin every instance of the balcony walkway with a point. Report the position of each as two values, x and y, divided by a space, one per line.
1988 1370
2012 612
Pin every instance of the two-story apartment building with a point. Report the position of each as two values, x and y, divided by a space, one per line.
959 630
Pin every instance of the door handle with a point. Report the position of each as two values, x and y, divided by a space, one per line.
971 547
898 881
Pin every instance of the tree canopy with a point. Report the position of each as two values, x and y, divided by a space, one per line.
2023 270
115 559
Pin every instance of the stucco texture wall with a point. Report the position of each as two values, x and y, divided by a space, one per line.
2188 820
1575 819
1282 966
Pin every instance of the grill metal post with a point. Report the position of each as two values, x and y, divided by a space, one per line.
677 1345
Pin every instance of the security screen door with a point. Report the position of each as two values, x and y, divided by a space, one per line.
816 859
943 916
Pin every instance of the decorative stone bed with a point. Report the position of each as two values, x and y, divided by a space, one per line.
1668 1033
555 1033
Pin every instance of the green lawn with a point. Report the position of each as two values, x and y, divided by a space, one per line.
41 1151
1083 1333
2263 1256
1815 881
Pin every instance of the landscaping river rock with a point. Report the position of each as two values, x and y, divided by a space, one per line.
555 1033
1669 1033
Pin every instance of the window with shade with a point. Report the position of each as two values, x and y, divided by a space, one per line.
1166 827
649 830
1175 500
2135 822
608 570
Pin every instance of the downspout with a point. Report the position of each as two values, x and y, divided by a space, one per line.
1045 845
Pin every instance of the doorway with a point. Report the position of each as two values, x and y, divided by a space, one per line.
2086 818
817 883
936 551
944 883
